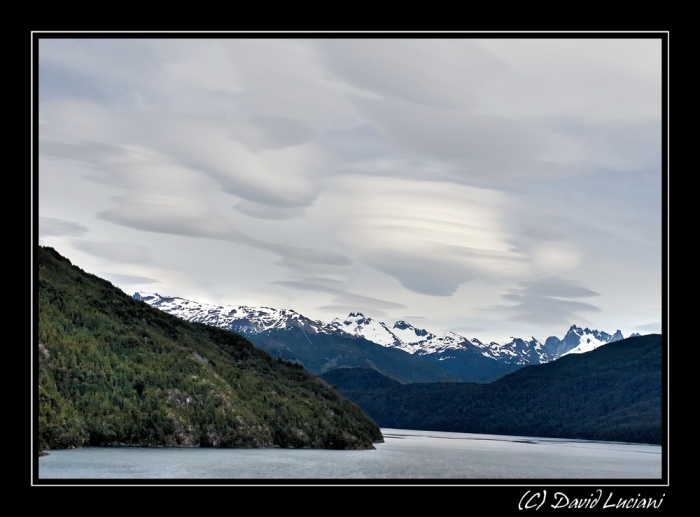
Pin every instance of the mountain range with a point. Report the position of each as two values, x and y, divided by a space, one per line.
460 358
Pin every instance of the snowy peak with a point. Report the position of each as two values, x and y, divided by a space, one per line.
403 335
232 317
407 333
577 341
526 351
358 324
617 336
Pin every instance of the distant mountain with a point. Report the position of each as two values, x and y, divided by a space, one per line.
115 371
611 393
449 354
239 318
322 352
318 346
578 341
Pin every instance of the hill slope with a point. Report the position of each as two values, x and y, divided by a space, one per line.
114 371
612 393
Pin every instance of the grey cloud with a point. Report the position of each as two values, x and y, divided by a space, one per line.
51 226
382 67
128 279
306 255
650 327
61 81
540 302
555 287
307 286
285 131
326 282
167 219
347 309
268 212
282 176
480 145
307 270
466 330
615 145
540 232
342 297
89 152
432 277
354 144
150 218
115 251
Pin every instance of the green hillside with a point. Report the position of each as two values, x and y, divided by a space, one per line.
114 371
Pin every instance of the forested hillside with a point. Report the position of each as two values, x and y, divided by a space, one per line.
612 393
114 371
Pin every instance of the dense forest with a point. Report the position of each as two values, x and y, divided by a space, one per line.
114 371
612 393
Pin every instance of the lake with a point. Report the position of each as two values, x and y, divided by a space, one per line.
405 454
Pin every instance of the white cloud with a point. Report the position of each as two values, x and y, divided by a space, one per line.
555 257
114 251
431 236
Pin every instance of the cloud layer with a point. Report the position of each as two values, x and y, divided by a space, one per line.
387 174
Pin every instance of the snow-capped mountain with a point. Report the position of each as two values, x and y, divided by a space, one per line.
239 318
447 349
408 338
375 331
578 341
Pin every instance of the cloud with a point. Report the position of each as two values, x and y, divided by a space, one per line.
114 251
92 153
431 236
614 145
128 279
268 212
476 145
555 257
408 69
342 297
550 301
347 309
184 214
284 131
163 196
51 226
205 64
654 327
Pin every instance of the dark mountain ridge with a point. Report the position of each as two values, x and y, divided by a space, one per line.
611 393
115 371
323 352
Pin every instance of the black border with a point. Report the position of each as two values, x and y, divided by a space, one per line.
510 494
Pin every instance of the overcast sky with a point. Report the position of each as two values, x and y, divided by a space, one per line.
495 188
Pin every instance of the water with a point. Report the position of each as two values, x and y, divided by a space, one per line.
404 455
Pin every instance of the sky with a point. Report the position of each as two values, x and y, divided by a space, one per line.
490 187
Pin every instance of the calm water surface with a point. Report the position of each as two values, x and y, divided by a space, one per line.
404 455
